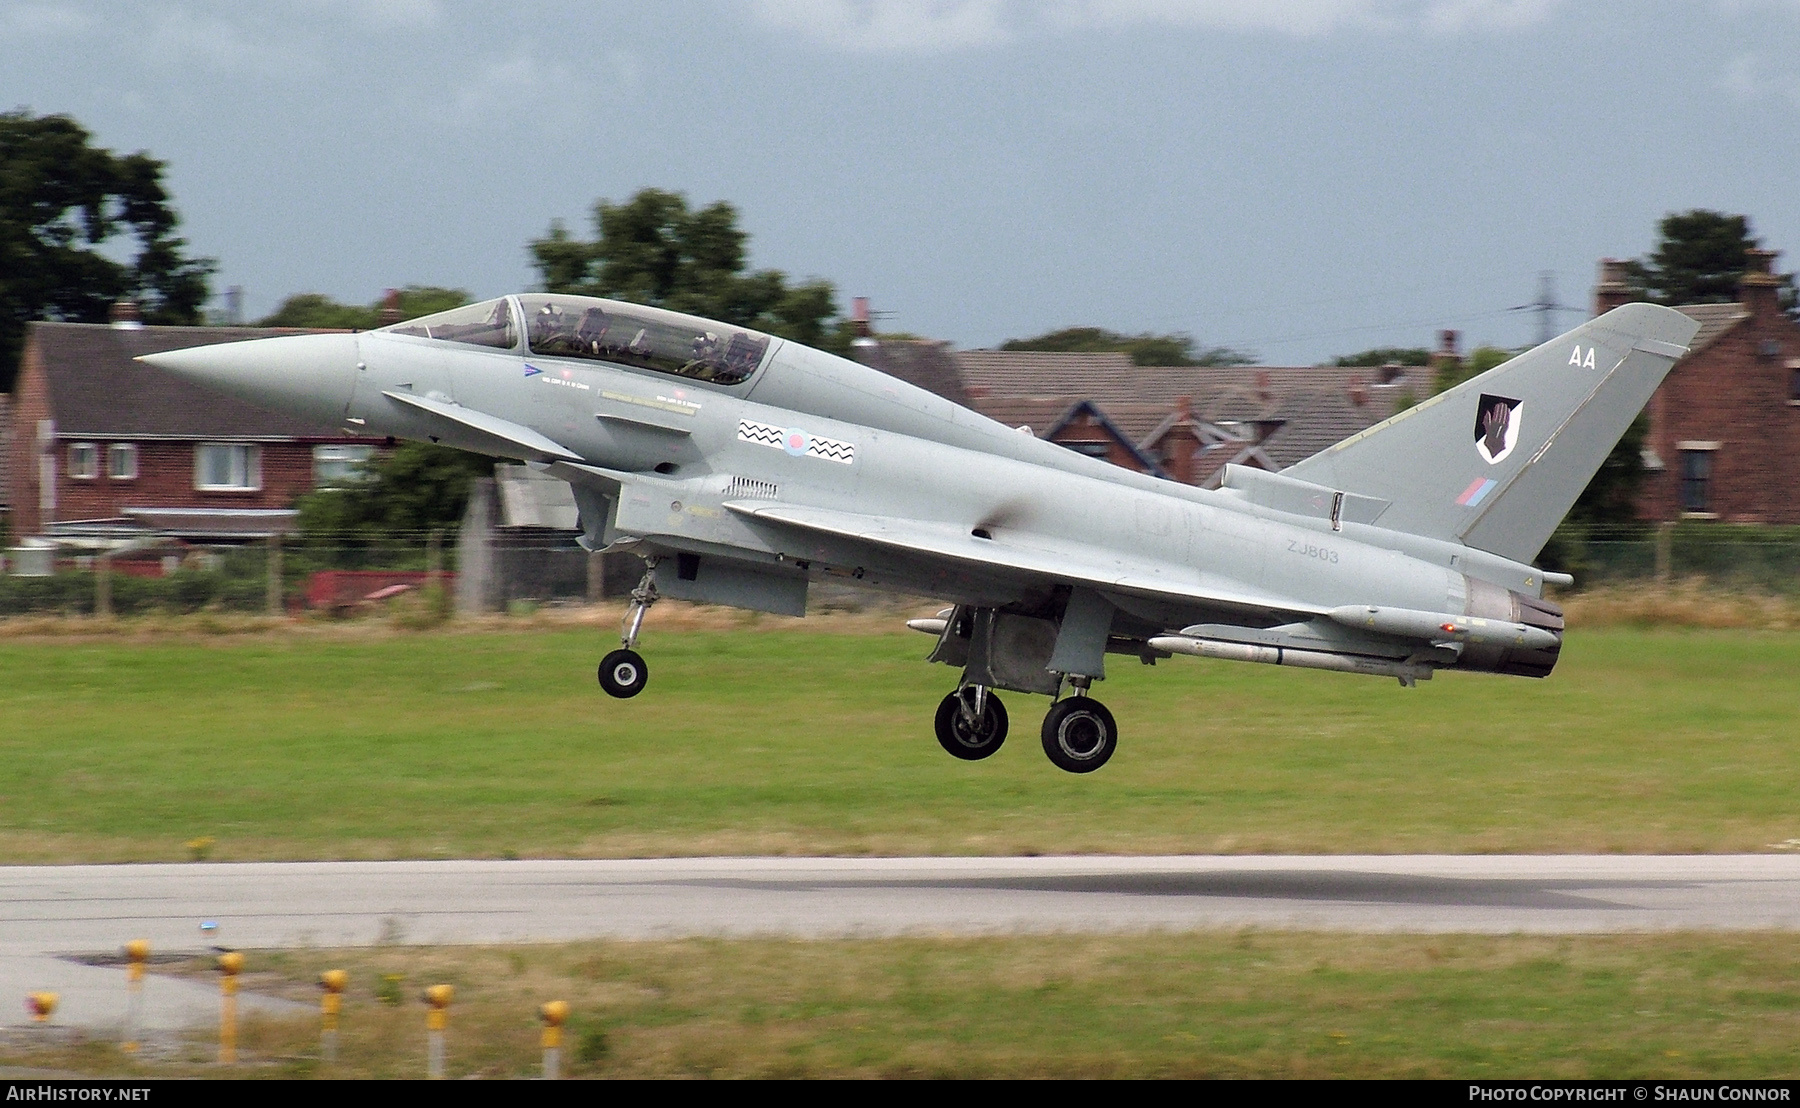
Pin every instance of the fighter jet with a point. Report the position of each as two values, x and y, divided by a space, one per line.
742 467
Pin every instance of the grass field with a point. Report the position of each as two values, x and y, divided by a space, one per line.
1245 1004
784 737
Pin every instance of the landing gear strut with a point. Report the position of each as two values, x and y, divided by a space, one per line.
971 723
623 673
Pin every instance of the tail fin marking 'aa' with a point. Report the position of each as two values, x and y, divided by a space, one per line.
1497 461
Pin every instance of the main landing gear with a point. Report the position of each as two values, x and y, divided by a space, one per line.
1079 734
623 673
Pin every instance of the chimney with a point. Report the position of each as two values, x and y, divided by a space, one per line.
1614 288
125 316
1759 289
862 333
390 308
1184 409
1265 386
1447 357
1359 390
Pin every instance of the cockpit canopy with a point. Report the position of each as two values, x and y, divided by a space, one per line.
605 331
648 338
489 323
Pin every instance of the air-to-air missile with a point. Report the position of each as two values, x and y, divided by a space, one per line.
741 467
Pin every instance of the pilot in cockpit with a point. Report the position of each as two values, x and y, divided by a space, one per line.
706 350
591 330
548 325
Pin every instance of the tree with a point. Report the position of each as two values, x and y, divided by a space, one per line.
65 204
311 309
419 487
1699 259
653 249
1145 349
1454 371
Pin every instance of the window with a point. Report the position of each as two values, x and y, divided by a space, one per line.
647 338
84 460
121 461
340 465
1093 448
227 466
1696 472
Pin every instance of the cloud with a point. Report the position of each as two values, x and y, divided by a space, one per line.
179 38
1753 77
1303 17
551 94
943 25
889 25
30 22
388 14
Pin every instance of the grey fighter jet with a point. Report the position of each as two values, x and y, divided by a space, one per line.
742 467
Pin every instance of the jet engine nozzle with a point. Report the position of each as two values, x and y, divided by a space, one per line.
305 376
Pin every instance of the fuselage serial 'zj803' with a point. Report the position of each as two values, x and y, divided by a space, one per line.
741 466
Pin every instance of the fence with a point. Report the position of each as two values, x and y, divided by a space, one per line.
297 574
1763 559
346 576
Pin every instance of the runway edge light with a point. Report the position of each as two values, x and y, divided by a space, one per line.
137 953
437 1018
331 1001
231 963
554 1014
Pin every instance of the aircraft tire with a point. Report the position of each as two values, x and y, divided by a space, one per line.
623 674
955 736
1080 734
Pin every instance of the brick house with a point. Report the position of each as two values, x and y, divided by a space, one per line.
104 446
1724 439
1182 423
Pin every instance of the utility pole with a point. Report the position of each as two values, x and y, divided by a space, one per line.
1545 306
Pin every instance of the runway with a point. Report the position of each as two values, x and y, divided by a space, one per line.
49 913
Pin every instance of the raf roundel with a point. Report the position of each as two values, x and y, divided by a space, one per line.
794 442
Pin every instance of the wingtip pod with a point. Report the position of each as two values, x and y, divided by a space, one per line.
1496 462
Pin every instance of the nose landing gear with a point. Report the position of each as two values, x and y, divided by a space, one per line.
971 723
623 673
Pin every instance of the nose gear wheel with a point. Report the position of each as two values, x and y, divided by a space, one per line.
971 723
623 673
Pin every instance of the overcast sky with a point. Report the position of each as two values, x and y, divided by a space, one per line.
1300 179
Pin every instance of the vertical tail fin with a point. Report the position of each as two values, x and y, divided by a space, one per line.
1497 461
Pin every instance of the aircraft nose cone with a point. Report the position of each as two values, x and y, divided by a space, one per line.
306 376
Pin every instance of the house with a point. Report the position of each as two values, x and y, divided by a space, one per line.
1183 423
105 447
5 459
1724 439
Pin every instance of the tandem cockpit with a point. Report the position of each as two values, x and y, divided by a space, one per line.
558 326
